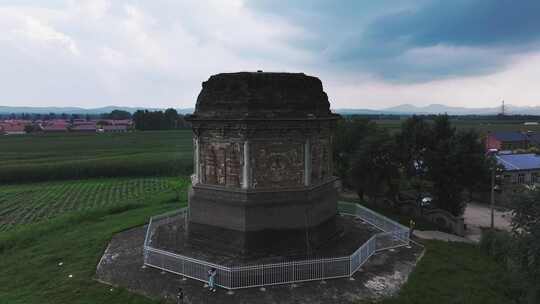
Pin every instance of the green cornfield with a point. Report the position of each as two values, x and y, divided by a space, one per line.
38 202
47 157
481 126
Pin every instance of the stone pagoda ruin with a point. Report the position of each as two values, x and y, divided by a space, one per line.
262 180
263 206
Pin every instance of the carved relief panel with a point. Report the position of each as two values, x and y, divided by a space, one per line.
221 163
277 164
321 160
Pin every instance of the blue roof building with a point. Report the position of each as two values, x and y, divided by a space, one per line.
519 162
520 168
511 136
507 140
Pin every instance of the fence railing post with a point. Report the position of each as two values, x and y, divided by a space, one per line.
280 273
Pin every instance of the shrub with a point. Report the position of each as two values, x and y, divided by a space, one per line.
496 244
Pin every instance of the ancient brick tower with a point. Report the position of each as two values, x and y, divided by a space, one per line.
263 164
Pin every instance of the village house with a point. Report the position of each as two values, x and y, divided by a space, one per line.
507 141
113 129
80 125
519 169
54 126
12 127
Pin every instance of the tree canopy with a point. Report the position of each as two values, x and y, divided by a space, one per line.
427 156
158 120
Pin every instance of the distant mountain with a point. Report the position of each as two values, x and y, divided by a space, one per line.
76 110
440 109
408 109
404 109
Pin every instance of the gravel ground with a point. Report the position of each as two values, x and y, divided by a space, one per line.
382 276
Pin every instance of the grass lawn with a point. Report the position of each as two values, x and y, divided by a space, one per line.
453 273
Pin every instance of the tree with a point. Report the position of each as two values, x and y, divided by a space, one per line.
443 170
474 167
526 240
139 120
349 133
29 128
375 169
118 115
171 118
156 120
437 158
414 140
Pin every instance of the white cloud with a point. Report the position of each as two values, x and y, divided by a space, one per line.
32 35
516 85
157 53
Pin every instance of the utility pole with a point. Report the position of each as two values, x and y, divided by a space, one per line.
492 203
493 154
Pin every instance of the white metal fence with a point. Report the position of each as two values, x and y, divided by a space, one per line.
392 235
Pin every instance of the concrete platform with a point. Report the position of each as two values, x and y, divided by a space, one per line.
381 276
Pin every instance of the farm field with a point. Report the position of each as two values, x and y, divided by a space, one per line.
482 126
30 256
41 157
30 203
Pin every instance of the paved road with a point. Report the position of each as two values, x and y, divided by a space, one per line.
479 216
441 236
476 216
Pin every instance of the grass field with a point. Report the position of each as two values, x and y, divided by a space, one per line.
42 157
482 126
29 203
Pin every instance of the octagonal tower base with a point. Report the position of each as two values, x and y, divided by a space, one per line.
252 223
263 163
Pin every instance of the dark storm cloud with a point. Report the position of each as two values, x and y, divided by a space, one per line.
468 23
417 41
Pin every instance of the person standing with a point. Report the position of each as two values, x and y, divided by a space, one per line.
412 224
211 279
180 296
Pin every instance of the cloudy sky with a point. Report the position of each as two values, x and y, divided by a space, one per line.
369 54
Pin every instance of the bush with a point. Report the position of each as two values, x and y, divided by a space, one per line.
497 244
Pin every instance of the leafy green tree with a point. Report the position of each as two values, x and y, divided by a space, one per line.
474 167
350 132
158 120
29 128
118 115
415 138
526 245
171 118
375 169
443 167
